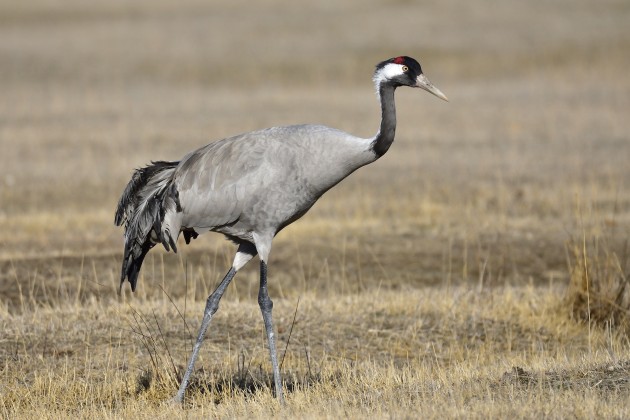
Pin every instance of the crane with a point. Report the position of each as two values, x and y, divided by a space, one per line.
249 187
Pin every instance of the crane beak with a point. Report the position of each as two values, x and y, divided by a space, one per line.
423 83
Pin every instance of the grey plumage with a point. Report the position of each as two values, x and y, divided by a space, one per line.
249 187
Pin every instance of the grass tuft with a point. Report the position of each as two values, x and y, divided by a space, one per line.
599 289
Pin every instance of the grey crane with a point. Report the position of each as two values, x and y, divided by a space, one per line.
249 187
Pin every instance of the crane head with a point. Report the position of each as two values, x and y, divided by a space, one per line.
404 71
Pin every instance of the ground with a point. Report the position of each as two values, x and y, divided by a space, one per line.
438 281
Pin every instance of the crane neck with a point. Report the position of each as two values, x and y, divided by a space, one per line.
385 136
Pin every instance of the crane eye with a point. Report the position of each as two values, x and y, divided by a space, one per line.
405 69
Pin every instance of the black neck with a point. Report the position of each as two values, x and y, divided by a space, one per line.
386 133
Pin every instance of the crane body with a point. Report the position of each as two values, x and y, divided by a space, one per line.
249 187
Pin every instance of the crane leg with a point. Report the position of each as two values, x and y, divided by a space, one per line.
266 305
212 304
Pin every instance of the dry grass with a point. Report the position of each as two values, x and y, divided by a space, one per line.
435 352
598 291
432 284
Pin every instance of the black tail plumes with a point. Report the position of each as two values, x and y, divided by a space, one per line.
142 207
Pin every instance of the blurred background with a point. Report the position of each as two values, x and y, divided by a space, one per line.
532 149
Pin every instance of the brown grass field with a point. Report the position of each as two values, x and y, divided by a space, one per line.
478 270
